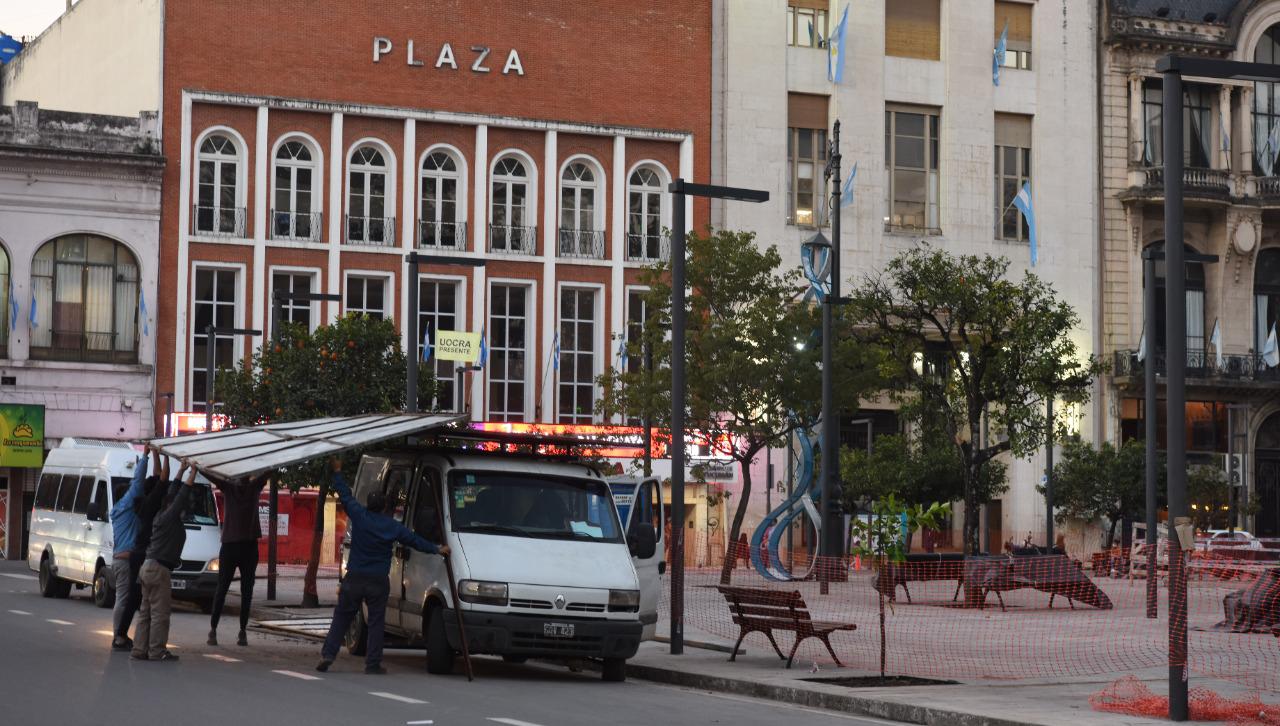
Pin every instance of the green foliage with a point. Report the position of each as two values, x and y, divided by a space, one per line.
957 341
914 470
1107 482
1209 492
880 536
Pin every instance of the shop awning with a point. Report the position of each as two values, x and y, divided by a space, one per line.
244 452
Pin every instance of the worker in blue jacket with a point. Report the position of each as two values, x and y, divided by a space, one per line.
126 551
368 564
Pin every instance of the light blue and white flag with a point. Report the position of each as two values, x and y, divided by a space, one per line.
1226 138
484 350
13 308
1216 340
836 49
1271 352
426 342
555 347
34 317
1023 203
815 271
622 353
846 193
142 313
1267 154
998 55
1142 345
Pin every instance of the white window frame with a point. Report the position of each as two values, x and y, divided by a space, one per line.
597 343
313 305
460 315
462 178
242 170
530 335
531 192
237 342
664 206
388 290
317 185
390 202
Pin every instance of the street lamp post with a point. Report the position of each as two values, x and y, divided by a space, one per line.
680 189
412 262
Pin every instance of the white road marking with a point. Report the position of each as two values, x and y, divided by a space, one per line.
299 676
19 612
223 658
419 723
18 577
512 721
394 697
56 621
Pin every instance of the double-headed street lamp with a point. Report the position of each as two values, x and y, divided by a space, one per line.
680 189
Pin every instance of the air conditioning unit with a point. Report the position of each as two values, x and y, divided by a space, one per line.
77 442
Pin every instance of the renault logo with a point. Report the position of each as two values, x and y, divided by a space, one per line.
559 602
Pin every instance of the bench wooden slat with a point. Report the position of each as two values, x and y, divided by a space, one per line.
769 611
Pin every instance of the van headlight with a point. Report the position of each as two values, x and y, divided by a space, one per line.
213 565
624 601
479 592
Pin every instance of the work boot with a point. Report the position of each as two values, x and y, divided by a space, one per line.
122 643
323 665
375 670
213 636
242 639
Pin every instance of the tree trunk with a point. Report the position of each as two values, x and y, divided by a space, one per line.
883 648
1111 534
310 598
726 570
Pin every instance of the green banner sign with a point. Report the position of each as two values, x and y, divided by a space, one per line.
21 435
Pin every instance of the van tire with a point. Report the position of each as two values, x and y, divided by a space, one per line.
357 636
104 595
614 670
439 654
50 584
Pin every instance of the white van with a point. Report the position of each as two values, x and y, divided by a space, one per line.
71 538
543 565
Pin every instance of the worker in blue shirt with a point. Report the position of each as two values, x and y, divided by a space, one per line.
368 564
124 565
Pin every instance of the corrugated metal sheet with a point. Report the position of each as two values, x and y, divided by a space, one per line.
244 452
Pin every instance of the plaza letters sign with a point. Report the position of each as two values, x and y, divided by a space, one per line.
478 58
21 435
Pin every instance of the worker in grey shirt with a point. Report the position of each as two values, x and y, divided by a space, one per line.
168 536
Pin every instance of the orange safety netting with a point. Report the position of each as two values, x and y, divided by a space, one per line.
1130 696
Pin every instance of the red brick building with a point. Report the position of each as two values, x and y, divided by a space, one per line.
311 146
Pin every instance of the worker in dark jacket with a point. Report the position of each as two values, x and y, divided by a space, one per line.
164 554
131 517
368 564
240 534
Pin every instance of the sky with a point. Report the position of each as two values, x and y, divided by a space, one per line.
29 17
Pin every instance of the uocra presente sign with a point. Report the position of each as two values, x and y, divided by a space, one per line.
475 57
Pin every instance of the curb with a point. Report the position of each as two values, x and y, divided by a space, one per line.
840 702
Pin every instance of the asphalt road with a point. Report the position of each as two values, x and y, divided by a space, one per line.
56 668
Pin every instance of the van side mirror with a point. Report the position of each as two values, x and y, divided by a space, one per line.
642 541
97 511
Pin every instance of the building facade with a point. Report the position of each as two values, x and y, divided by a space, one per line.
79 269
1232 192
940 152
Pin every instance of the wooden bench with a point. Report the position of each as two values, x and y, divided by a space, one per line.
757 610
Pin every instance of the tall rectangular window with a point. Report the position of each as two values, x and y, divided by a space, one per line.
806 159
911 169
438 310
1016 17
507 369
366 295
1013 169
912 29
807 23
216 302
293 311
1197 100
637 314
577 384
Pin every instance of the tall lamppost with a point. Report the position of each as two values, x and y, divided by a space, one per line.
680 189
412 262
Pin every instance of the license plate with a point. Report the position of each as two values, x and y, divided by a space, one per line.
557 630
178 584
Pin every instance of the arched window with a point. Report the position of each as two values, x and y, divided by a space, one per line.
439 219
86 300
291 214
1266 296
367 220
218 187
1195 309
579 236
1266 106
644 215
509 215
5 309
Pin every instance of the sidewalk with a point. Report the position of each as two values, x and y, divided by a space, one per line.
287 604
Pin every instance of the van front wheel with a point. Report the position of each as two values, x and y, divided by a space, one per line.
615 670
439 654
104 595
357 637
50 584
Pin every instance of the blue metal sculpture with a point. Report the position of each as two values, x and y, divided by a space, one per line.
777 522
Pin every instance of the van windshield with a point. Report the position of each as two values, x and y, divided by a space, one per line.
203 510
528 505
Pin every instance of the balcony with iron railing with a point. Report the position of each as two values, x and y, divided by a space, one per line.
1197 182
1201 364
513 239
648 248
582 243
214 221
371 231
442 235
83 346
297 226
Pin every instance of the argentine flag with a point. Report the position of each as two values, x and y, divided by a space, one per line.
34 318
835 49
1216 340
1271 352
555 347
426 342
13 309
142 313
846 194
1023 203
484 350
998 55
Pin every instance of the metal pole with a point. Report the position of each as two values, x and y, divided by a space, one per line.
648 419
411 325
273 534
459 395
1149 422
1232 475
831 541
791 480
276 313
209 363
1176 362
677 420
1048 478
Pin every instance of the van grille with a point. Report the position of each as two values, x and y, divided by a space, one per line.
530 604
534 640
190 566
585 607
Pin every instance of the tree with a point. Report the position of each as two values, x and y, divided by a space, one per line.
1106 482
1208 494
353 366
916 469
958 343
752 377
